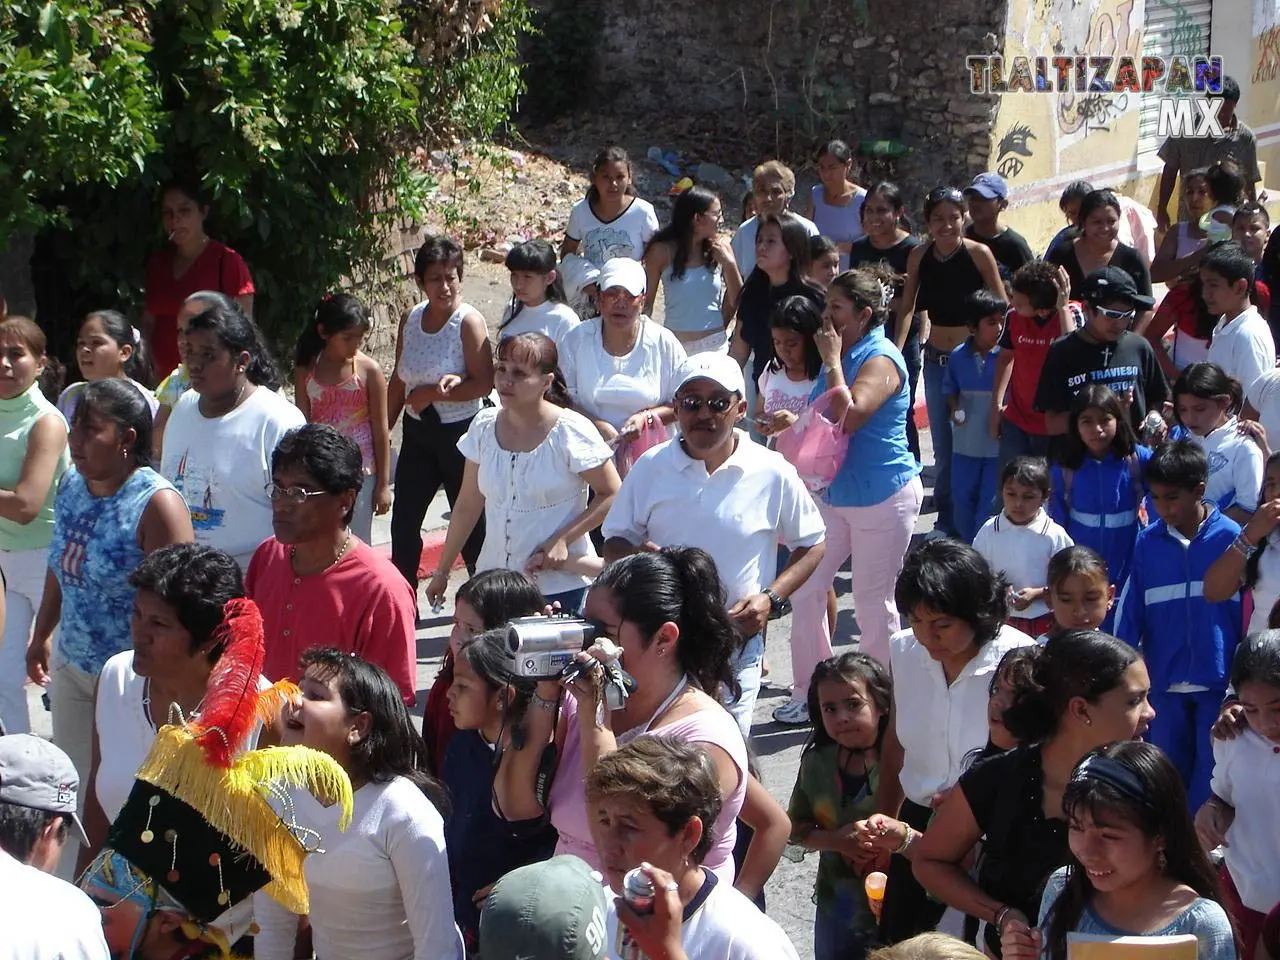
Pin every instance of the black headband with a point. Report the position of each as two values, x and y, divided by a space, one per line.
1114 774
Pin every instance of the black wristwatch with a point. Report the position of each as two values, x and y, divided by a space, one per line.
775 601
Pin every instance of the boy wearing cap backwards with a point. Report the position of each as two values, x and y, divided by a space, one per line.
41 915
1105 350
988 197
714 488
1242 343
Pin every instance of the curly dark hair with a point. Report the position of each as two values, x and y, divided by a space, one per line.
197 581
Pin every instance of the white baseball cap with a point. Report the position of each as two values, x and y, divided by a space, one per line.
625 273
714 366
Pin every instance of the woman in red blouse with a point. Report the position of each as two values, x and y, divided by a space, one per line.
190 263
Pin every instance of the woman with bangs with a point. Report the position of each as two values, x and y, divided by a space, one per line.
1136 867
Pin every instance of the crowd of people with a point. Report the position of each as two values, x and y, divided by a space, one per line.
1061 719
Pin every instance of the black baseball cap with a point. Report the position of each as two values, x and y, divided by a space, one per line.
1112 283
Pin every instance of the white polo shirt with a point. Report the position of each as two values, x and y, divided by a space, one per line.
1246 774
939 725
739 514
44 918
1243 346
1235 467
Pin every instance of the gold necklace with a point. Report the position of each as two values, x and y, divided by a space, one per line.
342 552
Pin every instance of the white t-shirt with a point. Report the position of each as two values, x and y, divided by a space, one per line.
1264 396
529 496
1246 774
612 388
1243 346
739 514
623 236
125 733
44 918
938 724
780 392
1235 467
550 318
222 467
1023 553
1267 590
720 923
744 242
379 891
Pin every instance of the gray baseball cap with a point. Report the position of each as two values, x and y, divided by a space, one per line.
34 773
552 910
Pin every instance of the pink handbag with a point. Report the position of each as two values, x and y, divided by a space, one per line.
815 445
629 451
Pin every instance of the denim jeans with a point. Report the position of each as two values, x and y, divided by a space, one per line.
1016 442
940 430
746 669
833 938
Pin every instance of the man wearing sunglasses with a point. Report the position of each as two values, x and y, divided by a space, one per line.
1105 350
713 488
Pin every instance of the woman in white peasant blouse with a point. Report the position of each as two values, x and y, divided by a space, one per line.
379 890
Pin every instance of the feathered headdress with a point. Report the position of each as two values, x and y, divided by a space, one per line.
200 821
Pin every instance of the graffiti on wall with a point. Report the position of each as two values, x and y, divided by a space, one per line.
1111 34
1267 67
1014 151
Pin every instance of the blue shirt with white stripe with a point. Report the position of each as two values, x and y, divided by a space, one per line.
1163 612
1102 510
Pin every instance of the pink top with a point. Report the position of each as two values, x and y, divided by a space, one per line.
568 798
345 407
361 604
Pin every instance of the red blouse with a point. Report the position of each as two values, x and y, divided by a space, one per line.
217 268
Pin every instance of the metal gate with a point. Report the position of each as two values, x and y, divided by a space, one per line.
1170 28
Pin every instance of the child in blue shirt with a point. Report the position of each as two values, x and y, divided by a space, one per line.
1098 486
967 383
1187 642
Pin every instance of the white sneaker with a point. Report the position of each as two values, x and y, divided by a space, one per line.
792 714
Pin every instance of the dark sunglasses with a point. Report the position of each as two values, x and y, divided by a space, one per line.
949 194
715 404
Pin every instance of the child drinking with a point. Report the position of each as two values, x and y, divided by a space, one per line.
836 787
1242 344
1186 640
1020 539
1205 401
1239 815
824 261
1183 246
1098 490
337 383
537 294
967 384
1081 594
488 707
109 347
1226 191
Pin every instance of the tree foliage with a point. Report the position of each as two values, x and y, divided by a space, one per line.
296 115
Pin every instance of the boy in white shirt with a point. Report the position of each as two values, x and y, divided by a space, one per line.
1242 344
1021 539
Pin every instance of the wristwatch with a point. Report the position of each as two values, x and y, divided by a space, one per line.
775 601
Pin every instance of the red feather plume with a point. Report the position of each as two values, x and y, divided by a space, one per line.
230 703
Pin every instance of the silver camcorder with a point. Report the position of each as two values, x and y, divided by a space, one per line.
542 647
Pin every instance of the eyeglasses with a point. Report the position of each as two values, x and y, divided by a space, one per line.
1126 315
296 495
714 404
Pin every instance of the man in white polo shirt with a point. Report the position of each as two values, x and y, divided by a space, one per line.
713 488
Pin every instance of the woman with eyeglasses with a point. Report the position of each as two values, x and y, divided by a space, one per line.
700 279
220 435
940 275
1136 868
530 465
1098 245
111 510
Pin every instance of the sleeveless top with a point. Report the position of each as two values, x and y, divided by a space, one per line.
17 417
836 223
345 407
568 800
942 285
692 301
426 357
93 551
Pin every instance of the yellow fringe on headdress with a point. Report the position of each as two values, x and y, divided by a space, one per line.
234 800
272 700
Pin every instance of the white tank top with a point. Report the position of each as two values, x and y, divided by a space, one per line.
426 357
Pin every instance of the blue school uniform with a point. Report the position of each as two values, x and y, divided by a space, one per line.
975 454
1100 504
1187 643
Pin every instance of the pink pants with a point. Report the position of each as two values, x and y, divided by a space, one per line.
881 534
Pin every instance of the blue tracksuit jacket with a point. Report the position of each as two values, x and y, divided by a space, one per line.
1103 510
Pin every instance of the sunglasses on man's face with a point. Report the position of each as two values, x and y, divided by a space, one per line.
720 404
1125 315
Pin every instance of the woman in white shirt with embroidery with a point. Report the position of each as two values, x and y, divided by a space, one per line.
942 669
529 466
379 890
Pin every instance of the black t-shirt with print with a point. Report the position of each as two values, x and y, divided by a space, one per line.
1128 364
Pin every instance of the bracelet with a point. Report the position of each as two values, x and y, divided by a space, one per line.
1001 916
543 703
908 839
1243 546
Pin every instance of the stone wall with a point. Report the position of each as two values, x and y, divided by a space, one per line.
783 75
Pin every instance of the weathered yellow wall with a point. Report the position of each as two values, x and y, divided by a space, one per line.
1262 101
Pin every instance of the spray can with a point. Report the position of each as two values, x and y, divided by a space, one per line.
638 893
